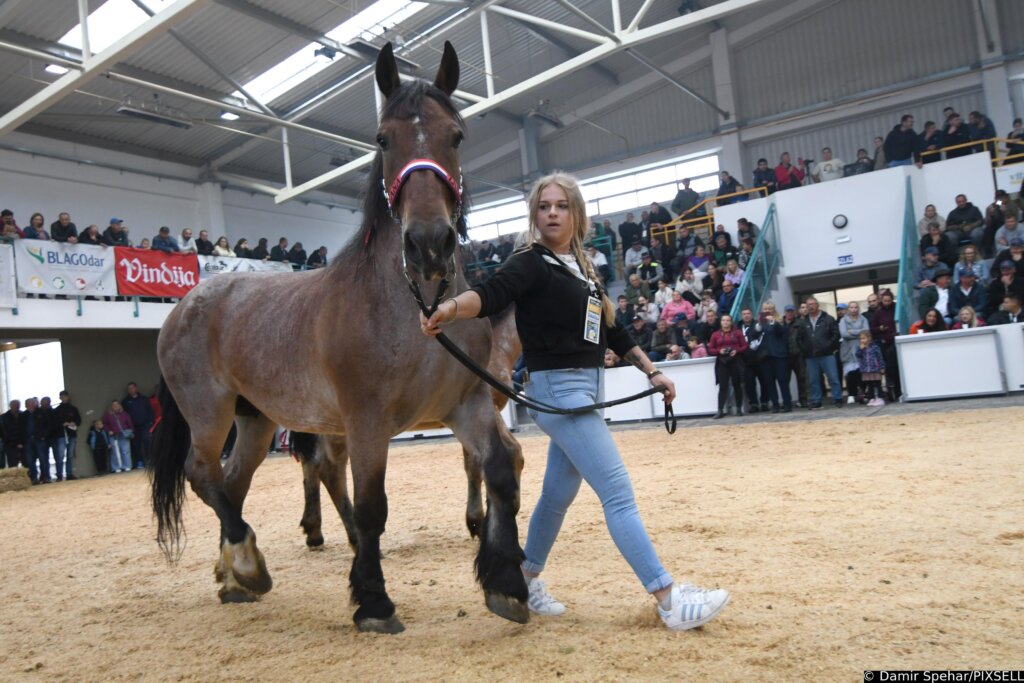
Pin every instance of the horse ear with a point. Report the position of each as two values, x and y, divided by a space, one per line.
447 78
387 71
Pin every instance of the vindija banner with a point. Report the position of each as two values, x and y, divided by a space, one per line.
143 272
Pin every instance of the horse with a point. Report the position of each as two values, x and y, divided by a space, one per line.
352 376
325 462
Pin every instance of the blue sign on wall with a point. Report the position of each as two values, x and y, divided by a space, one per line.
846 260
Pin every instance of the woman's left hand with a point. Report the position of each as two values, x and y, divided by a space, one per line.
670 387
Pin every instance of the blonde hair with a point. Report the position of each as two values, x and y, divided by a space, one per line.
770 305
974 314
578 215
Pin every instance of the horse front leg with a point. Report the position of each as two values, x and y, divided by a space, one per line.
334 475
375 611
484 436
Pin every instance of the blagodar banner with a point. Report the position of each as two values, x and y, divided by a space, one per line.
142 272
8 286
215 265
60 268
1010 177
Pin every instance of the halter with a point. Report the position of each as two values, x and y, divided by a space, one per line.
391 193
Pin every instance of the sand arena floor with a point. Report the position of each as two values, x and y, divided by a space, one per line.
848 544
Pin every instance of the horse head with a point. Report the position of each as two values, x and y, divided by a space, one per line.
419 136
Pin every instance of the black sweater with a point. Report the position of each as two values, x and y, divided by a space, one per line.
551 307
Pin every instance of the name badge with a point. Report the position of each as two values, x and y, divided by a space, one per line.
592 326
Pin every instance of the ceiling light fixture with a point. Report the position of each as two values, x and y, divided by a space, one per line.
229 116
55 69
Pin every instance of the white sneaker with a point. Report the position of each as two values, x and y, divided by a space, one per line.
540 601
692 607
850 400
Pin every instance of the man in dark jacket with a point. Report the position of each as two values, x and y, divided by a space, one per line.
685 200
795 360
35 444
630 232
640 334
12 427
751 362
764 176
659 214
902 145
63 230
280 252
818 341
956 134
116 235
981 127
1011 313
967 221
204 247
140 410
967 292
47 430
68 420
1006 284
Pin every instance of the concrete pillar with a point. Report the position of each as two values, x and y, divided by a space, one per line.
211 210
731 156
994 79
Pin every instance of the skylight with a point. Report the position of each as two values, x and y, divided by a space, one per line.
303 65
110 22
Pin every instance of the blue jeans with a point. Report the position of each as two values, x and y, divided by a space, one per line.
64 452
827 365
581 448
902 162
38 450
120 446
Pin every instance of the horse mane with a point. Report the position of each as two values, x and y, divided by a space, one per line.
405 103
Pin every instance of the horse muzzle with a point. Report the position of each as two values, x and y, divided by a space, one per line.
429 248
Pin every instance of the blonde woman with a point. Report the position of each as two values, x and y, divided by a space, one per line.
969 261
565 321
967 319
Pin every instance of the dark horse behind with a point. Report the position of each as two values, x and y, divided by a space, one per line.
355 377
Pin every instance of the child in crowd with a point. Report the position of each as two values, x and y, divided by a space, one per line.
872 368
697 350
99 442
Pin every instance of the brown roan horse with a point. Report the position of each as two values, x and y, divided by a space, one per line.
338 352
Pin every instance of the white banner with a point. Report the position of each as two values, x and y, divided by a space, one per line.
60 268
215 265
8 286
1010 177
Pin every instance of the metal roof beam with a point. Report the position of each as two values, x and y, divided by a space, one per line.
553 25
99 63
559 44
678 83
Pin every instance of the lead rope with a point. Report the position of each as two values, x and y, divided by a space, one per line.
471 365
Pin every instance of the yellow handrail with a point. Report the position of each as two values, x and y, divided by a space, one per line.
671 228
972 143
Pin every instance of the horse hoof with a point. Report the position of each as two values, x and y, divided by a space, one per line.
473 524
242 566
390 626
236 595
508 608
315 542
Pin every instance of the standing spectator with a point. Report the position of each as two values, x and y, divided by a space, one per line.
932 216
870 365
727 185
884 331
966 220
746 253
63 230
764 176
48 430
819 342
931 141
140 411
35 230
662 255
630 231
67 421
1008 283
967 319
99 444
1014 254
1011 311
222 248
596 257
727 346
242 249
10 228
36 450
204 247
1015 141
753 333
967 292
121 431
745 230
864 164
164 242
956 135
774 348
786 174
828 168
872 306
260 252
91 236
280 252
941 243
880 161
685 200
12 429
115 235
902 146
981 128
702 329
850 327
659 214
187 244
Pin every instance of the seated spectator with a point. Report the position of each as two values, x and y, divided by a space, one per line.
624 314
612 360
828 168
764 176
931 322
932 216
967 319
650 271
280 252
35 230
697 348
204 247
10 226
941 242
707 303
1000 287
871 366
1014 254
969 260
879 160
663 341
682 329
699 261
967 292
318 259
164 242
723 250
685 200
91 235
597 259
995 217
606 240
902 146
727 185
931 141
720 230
187 243
955 134
648 310
1011 231
703 329
746 252
297 256
640 333
636 288
261 252
728 296
690 286
733 272
222 248
924 277
242 249
966 220
713 280
1010 311
63 230
727 346
634 257
660 254
663 294
678 306
981 128
488 253
937 296
787 175
746 230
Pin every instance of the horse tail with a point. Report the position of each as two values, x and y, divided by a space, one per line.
172 441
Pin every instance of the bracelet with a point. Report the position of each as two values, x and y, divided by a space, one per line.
456 302
655 373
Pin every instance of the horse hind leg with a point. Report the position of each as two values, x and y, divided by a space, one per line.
304 447
474 498
334 475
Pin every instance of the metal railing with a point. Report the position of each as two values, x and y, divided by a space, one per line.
909 259
702 226
1014 150
761 268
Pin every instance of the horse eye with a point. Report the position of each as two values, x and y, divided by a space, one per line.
382 142
458 140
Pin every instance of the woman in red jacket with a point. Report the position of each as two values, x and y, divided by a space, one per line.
727 346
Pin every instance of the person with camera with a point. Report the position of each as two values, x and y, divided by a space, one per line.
774 358
727 345
787 175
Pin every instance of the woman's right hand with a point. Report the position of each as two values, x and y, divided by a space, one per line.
444 313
